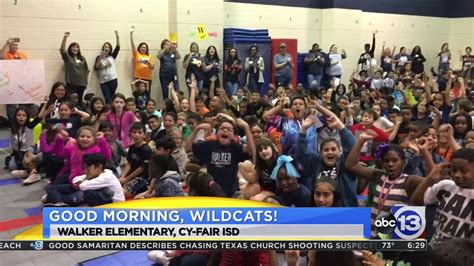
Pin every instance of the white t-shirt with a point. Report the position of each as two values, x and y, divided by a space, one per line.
105 180
454 212
109 71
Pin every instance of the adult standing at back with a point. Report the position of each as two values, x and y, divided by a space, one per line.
315 61
232 67
168 72
444 58
10 51
365 59
77 70
417 60
192 62
143 63
335 62
401 59
283 63
254 66
105 66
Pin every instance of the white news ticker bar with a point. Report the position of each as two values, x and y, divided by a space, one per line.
174 232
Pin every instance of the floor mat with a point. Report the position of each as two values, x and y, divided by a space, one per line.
10 181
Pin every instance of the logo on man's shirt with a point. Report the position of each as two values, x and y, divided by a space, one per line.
221 159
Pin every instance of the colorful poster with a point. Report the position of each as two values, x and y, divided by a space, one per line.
22 81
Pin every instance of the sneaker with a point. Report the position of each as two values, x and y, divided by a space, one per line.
32 178
19 173
57 204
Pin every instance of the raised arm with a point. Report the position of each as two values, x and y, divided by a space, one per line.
212 87
187 60
427 87
132 43
372 49
174 96
352 162
62 50
423 147
177 55
162 52
117 45
188 146
84 115
434 177
396 127
447 92
6 48
343 54
275 110
248 148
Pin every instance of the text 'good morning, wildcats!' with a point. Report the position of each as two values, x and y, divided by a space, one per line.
111 216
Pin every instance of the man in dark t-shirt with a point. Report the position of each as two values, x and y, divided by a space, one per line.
222 156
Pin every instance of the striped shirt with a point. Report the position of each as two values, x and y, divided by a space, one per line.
393 193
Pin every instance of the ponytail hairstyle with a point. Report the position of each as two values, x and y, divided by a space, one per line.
203 184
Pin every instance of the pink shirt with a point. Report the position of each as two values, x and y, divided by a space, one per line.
122 123
74 155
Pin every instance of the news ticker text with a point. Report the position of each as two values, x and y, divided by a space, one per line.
333 245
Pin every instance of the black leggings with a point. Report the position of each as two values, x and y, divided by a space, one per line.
52 164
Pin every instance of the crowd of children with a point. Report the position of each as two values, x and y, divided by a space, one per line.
394 134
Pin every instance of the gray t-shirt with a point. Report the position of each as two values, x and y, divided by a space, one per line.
287 70
77 71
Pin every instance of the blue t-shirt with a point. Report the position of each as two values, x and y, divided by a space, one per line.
287 70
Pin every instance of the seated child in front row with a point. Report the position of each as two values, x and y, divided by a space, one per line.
98 186
135 175
116 147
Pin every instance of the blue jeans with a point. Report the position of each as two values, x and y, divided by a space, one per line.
443 67
108 90
314 81
231 88
64 193
254 85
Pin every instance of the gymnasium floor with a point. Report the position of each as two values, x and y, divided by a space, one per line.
20 210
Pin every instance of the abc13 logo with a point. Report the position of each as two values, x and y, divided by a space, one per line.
404 222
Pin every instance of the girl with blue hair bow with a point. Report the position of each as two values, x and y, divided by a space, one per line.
289 192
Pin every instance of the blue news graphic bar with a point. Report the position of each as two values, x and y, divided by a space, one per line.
206 216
